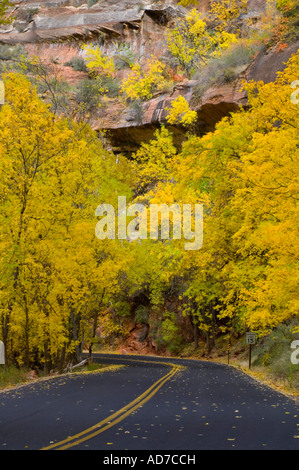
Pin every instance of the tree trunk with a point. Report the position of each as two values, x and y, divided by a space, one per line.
195 334
26 332
76 356
213 315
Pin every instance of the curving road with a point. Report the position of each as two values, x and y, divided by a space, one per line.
149 404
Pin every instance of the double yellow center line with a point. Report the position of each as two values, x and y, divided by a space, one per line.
116 417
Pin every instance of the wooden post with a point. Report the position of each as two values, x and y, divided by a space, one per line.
250 339
2 353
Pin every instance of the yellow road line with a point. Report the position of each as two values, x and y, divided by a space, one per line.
116 417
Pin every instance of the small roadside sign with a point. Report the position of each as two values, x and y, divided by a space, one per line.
250 338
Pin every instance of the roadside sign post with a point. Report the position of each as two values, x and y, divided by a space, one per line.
228 350
2 353
250 339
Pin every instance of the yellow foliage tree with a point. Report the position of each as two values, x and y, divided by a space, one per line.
225 12
193 43
53 270
97 61
180 112
246 175
142 82
248 170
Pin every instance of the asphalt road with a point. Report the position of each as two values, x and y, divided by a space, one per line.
149 404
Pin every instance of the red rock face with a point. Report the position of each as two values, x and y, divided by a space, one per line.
55 31
138 342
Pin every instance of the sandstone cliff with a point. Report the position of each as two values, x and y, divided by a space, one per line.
55 30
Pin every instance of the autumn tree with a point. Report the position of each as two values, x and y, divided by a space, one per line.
246 175
152 161
180 113
143 81
97 62
54 271
192 42
225 15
